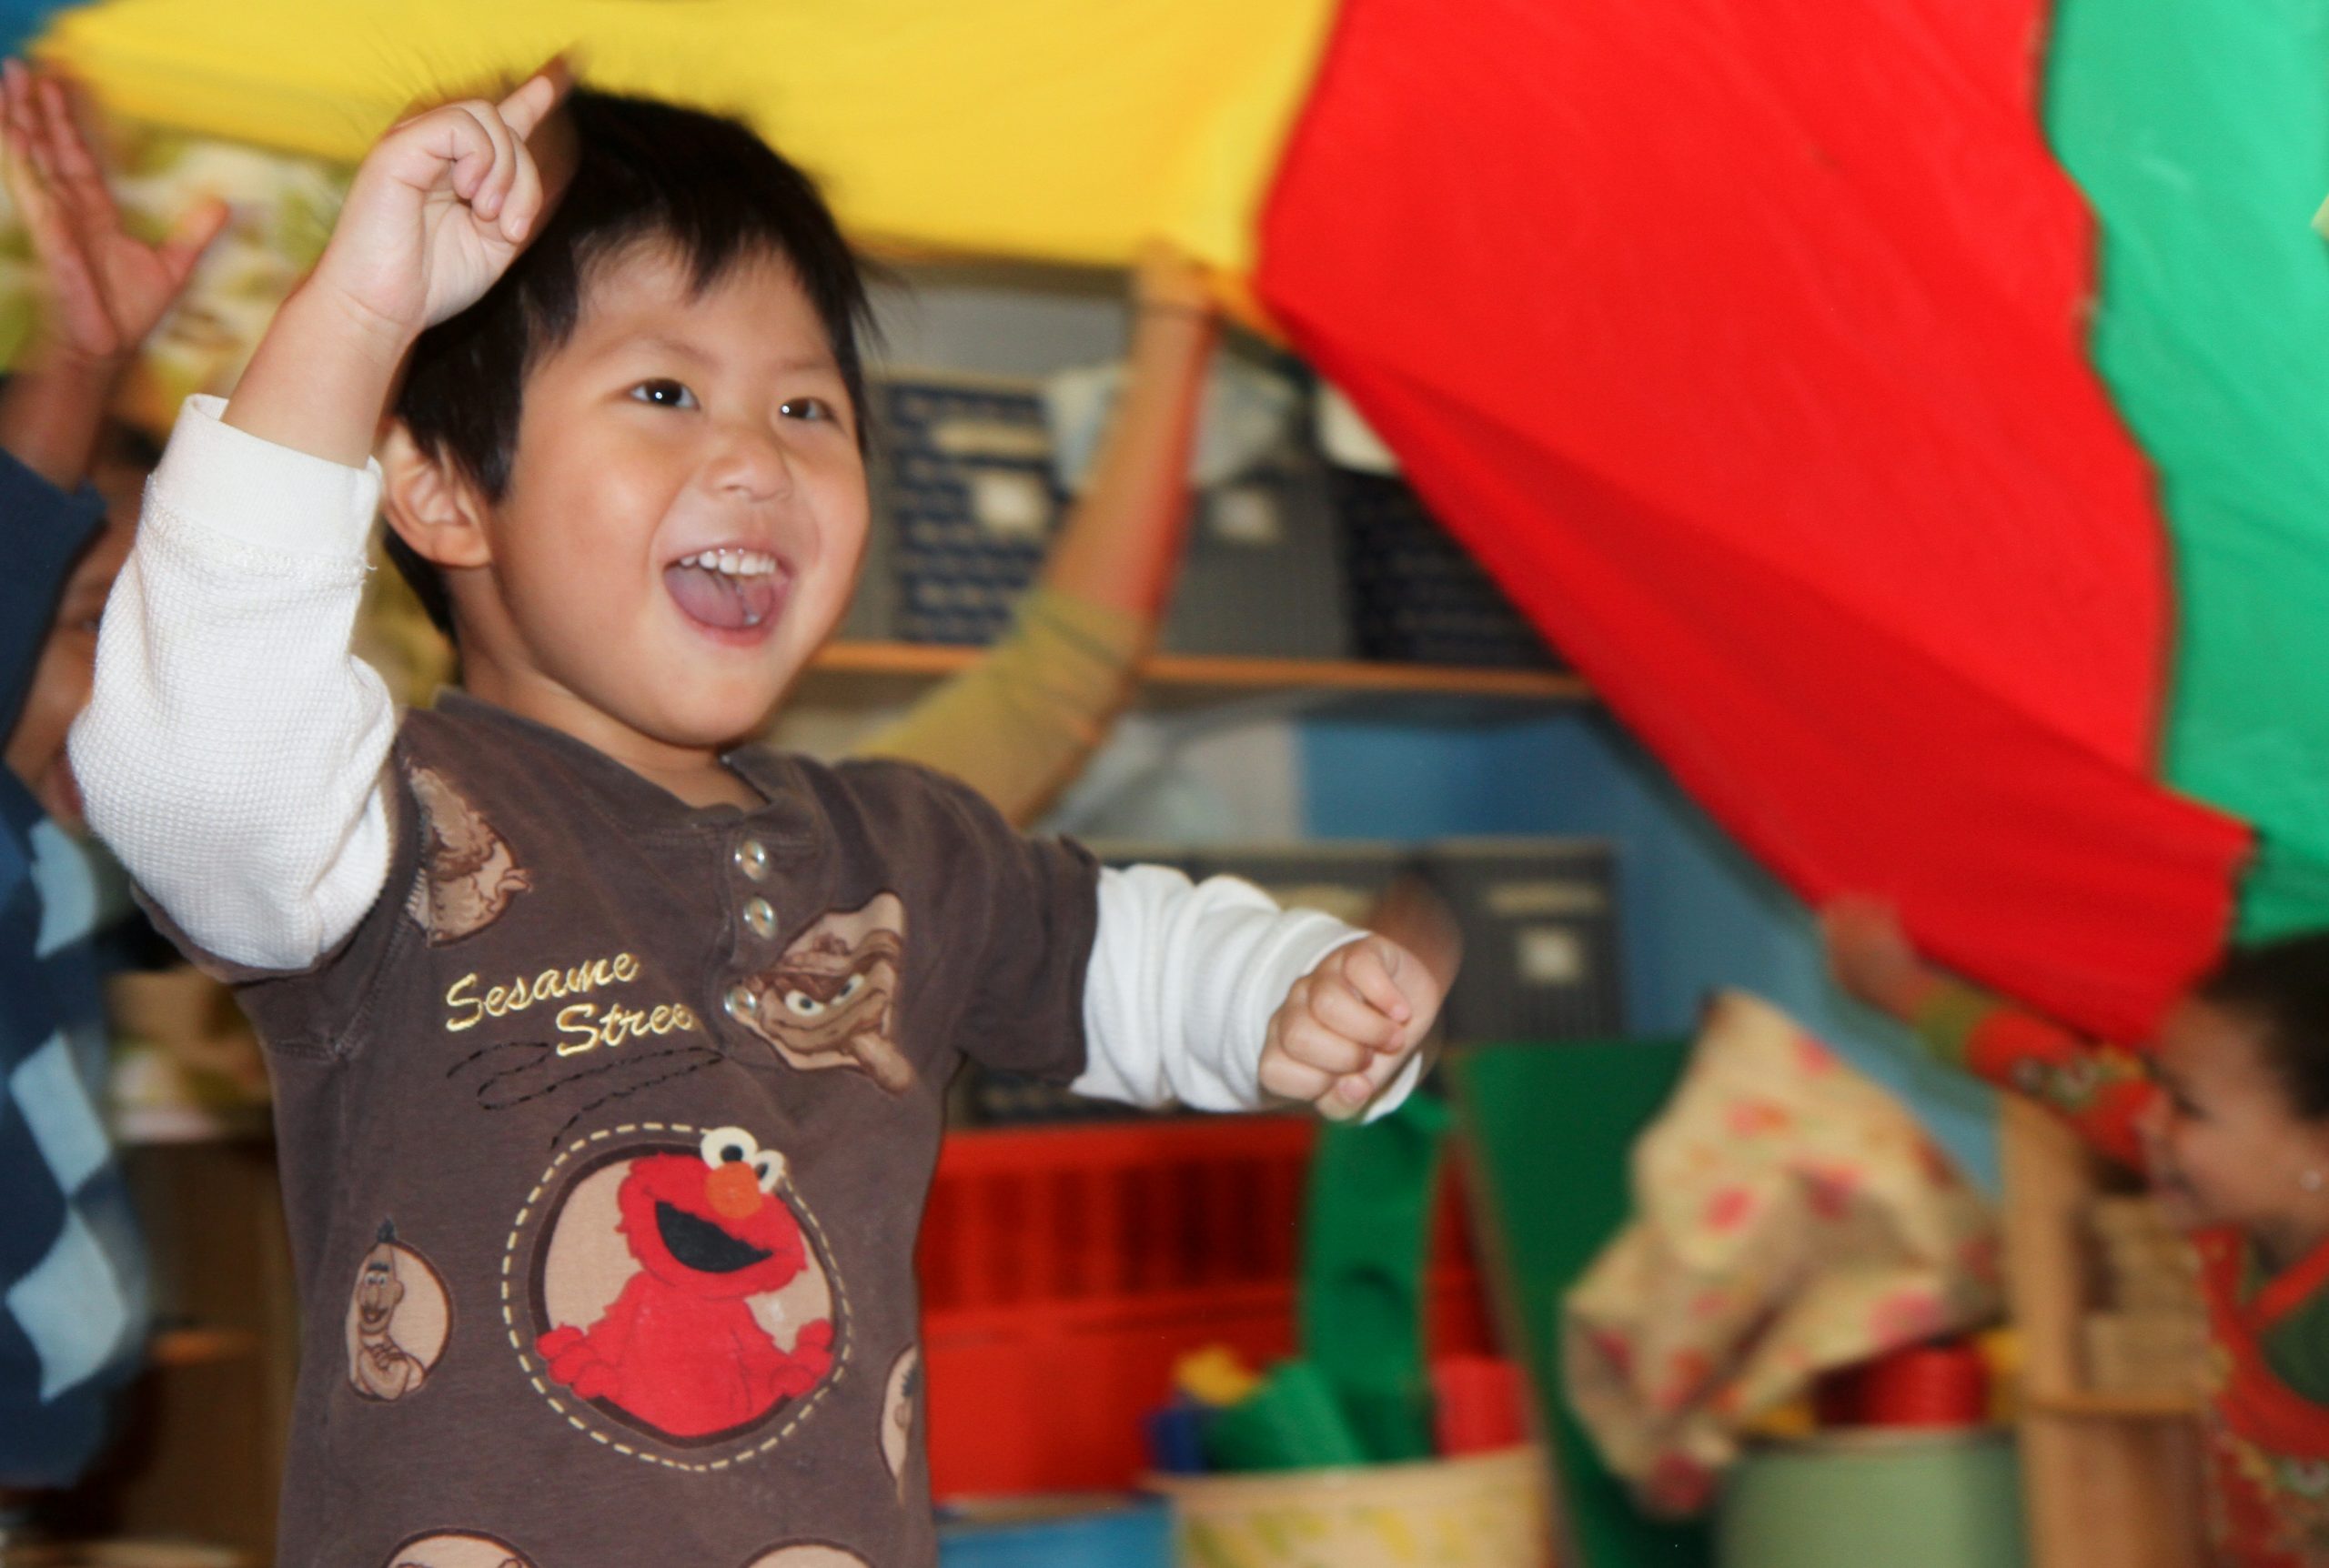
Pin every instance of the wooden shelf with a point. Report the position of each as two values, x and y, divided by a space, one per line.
1171 676
2109 1480
2098 1406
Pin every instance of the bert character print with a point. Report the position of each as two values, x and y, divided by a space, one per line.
399 1319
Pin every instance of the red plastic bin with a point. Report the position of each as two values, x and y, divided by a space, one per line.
1065 1268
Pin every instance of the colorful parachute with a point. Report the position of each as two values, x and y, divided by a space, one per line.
1755 345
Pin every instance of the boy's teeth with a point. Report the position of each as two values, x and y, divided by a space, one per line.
734 563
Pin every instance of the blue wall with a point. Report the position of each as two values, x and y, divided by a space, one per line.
1697 913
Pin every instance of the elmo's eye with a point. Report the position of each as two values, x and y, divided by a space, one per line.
768 1166
801 1004
728 1146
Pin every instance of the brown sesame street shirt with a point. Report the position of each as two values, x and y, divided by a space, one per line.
606 1134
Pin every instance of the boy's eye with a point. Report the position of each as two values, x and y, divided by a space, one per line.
805 408
664 394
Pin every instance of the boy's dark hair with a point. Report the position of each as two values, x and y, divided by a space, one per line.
705 186
2281 988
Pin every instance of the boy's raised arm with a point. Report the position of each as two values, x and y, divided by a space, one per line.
233 752
232 749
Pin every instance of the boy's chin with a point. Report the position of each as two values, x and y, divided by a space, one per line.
713 729
716 720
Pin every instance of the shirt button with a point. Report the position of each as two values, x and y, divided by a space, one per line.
752 859
738 1003
759 916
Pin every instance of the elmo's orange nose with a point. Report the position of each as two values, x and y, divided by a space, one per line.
734 1191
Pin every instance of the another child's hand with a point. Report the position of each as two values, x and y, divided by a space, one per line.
104 288
1870 956
441 207
1166 277
1347 1027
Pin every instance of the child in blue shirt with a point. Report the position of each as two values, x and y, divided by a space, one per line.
72 1282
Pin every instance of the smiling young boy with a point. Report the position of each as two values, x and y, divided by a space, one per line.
620 1045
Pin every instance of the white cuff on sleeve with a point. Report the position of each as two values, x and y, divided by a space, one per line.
230 483
1183 982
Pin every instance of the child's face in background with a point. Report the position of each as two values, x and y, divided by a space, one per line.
61 680
2225 1144
685 516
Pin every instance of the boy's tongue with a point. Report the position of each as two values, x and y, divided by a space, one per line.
717 599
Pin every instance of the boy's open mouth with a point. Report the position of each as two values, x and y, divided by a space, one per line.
730 591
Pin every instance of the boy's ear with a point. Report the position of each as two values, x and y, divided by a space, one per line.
433 506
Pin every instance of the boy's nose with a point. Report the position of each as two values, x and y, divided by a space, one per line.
752 466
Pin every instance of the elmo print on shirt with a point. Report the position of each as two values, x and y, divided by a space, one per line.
682 1293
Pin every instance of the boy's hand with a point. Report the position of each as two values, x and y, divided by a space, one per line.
105 288
1347 1027
439 210
1870 956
